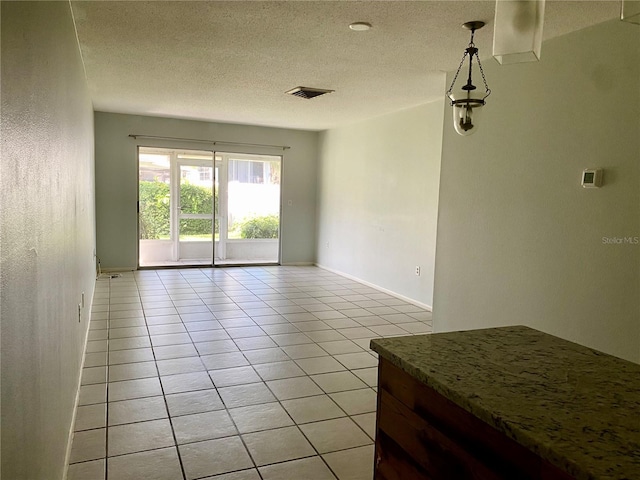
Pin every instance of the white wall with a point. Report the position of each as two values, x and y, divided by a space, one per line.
46 233
378 199
117 184
519 240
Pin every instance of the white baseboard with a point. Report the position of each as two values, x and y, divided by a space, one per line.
118 269
377 287
65 472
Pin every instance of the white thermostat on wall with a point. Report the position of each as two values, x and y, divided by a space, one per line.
591 177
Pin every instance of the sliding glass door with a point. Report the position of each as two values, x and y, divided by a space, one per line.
175 204
204 208
248 209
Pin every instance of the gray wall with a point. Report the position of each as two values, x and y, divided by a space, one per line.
47 234
519 240
116 179
378 200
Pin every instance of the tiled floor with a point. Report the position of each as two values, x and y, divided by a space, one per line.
233 374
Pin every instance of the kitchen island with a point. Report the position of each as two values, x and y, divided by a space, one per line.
504 403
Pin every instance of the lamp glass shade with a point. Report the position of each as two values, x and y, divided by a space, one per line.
466 117
630 11
517 34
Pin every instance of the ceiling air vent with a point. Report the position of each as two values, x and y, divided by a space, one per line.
306 92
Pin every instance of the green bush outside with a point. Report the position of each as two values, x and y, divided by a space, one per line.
155 214
155 210
260 227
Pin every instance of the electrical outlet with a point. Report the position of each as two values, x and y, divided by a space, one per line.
417 270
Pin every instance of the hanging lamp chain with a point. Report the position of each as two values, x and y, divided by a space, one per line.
464 56
455 77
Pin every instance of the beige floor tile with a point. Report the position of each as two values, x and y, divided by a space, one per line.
170 339
367 375
260 417
89 445
352 464
166 329
277 370
234 376
93 470
129 389
132 371
320 365
137 410
138 437
91 394
340 346
93 375
128 332
338 381
213 457
244 395
186 382
326 336
162 464
312 468
355 402
131 356
224 360
293 388
356 332
417 327
286 339
217 346
193 402
304 351
279 445
357 360
129 343
203 426
266 355
209 335
325 438
312 409
251 474
367 421
96 359
254 343
91 416
175 366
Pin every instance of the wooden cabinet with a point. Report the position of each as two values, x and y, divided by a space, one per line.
421 435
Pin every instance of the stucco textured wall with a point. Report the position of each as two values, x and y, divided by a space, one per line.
519 240
47 234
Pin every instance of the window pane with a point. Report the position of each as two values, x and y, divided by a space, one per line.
154 196
195 229
196 189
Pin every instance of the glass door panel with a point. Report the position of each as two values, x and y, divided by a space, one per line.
249 209
154 206
195 212
175 207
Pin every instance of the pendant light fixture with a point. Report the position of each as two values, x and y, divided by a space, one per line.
467 100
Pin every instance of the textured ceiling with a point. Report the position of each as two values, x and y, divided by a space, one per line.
232 61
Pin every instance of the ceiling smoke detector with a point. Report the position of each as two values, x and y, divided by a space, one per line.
307 92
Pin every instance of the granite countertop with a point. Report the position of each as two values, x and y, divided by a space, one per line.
573 406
